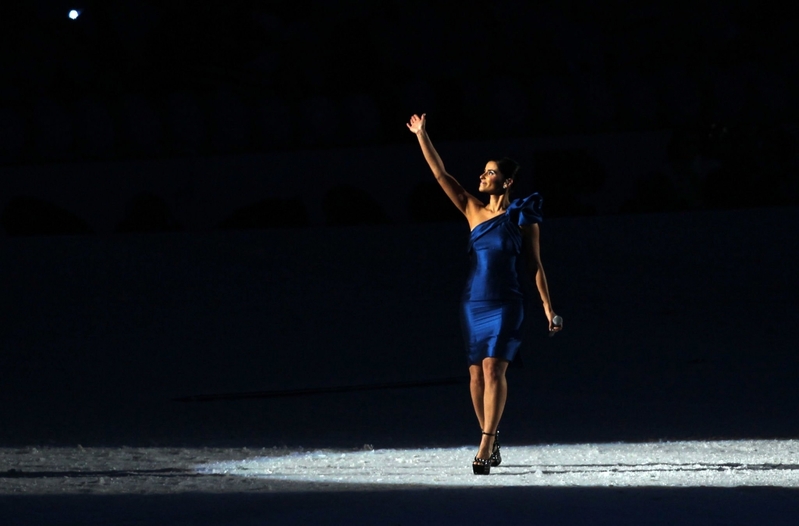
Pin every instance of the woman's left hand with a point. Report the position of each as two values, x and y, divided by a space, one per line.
555 323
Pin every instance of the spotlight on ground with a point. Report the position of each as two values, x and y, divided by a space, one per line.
710 463
74 14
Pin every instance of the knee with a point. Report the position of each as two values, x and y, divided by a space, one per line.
493 374
477 380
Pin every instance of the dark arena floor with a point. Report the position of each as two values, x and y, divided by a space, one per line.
186 379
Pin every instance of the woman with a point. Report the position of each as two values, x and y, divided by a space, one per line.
493 309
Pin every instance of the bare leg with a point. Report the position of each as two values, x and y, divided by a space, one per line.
494 397
476 388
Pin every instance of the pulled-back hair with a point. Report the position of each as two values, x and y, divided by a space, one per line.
509 169
507 166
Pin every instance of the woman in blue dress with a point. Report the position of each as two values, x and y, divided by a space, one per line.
492 310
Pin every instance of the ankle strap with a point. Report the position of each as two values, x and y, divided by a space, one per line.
489 434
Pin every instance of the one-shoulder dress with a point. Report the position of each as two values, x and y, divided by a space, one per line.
492 309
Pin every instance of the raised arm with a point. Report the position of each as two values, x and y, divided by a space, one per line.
532 253
463 200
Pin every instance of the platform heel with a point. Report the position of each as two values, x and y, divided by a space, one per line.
482 466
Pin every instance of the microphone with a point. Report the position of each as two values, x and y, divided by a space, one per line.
557 321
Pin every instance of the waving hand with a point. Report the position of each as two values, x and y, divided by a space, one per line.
417 123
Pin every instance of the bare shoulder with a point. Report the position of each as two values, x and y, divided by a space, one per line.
481 214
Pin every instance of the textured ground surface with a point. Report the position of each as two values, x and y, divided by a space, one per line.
680 464
670 398
701 482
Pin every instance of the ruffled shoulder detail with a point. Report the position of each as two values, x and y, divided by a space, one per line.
526 211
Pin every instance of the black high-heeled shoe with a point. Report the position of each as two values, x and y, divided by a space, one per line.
496 456
482 466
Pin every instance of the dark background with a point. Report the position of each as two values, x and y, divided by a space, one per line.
145 144
221 197
135 80
238 75
247 162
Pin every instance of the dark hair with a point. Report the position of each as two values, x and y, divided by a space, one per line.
507 166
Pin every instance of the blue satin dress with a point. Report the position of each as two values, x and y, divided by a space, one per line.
492 310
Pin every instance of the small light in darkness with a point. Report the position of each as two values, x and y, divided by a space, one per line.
74 14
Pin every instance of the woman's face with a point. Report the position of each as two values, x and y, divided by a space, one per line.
491 180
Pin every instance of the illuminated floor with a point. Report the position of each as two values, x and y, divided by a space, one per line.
667 464
169 471
659 483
